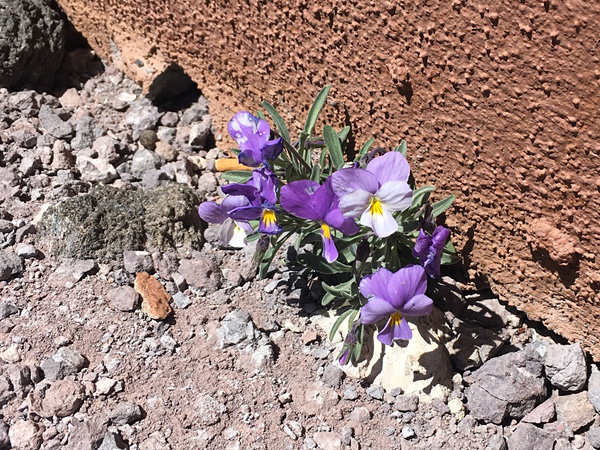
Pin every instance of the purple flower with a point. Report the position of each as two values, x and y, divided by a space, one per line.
428 249
343 356
372 194
252 136
233 232
308 200
260 191
394 295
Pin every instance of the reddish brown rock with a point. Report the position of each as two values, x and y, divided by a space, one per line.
496 102
155 300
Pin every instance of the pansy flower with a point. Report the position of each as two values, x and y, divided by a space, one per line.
309 200
395 296
372 194
428 249
233 232
252 136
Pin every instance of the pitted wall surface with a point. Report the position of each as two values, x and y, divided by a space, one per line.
498 101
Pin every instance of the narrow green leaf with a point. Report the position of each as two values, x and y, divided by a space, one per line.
449 256
316 173
338 322
342 290
402 147
327 299
441 206
260 115
332 142
421 195
277 120
237 176
236 151
359 344
320 265
365 148
315 109
344 133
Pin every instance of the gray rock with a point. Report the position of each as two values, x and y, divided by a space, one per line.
86 132
106 147
169 119
235 327
63 398
168 342
541 414
565 367
26 251
25 434
4 439
593 437
143 116
199 132
126 413
32 45
10 265
530 437
491 313
406 402
53 124
24 137
20 376
107 221
7 308
360 415
209 410
472 345
62 158
113 441
497 442
137 261
333 375
350 393
71 271
64 362
574 409
86 435
96 170
29 164
181 300
6 391
123 298
195 112
144 160
202 273
375 391
594 389
508 386
148 139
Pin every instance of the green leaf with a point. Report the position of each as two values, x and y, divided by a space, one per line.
260 115
342 290
338 322
327 299
237 176
365 148
344 133
441 206
236 151
315 109
320 265
359 344
449 256
421 195
332 141
272 251
277 120
315 175
402 147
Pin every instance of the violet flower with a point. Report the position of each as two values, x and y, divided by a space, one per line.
428 249
394 295
372 194
308 200
233 232
260 191
252 136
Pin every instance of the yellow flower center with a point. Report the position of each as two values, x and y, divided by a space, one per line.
375 207
326 231
395 319
268 217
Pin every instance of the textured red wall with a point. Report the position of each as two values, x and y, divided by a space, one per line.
498 101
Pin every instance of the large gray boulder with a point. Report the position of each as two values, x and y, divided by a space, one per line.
108 220
31 42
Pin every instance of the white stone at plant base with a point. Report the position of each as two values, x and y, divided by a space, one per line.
419 366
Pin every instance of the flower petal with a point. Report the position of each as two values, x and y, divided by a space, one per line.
376 285
250 158
250 132
355 203
266 184
234 201
268 222
395 195
375 310
324 199
419 305
272 149
232 235
421 248
296 198
392 166
330 252
393 331
405 284
246 213
212 213
247 190
335 219
382 222
348 180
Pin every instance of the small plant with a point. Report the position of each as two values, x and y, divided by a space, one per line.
372 230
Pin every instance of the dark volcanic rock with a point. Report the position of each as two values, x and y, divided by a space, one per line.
108 220
31 43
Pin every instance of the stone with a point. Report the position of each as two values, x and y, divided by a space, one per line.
25 435
593 437
4 438
350 393
113 441
126 413
594 389
19 376
375 391
62 158
236 327
10 265
199 132
490 313
7 308
106 147
508 386
209 410
63 398
497 442
155 299
104 386
472 345
566 367
360 415
144 160
6 391
64 362
137 261
408 432
328 440
86 132
168 342
29 164
26 251
143 116
195 112
165 151
574 409
148 139
86 435
123 298
33 42
71 271
406 402
528 436
202 273
71 99
181 300
541 414
108 220
96 170
53 124
333 375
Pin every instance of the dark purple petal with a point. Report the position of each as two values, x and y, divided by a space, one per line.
392 166
266 184
330 252
346 181
212 213
419 305
376 285
405 284
335 219
272 149
268 222
375 310
393 331
246 213
250 158
246 190
234 201
250 132
422 244
439 238
296 198
324 199
343 357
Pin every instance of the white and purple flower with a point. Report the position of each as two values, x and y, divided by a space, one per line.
395 296
372 194
252 136
310 201
428 249
233 232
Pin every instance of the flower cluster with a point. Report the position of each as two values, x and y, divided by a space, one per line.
372 231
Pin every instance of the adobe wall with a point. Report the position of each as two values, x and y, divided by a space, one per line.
498 101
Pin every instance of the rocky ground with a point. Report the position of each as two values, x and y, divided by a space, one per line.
91 171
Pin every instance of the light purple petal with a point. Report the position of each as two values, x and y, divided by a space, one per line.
376 285
405 284
355 203
348 180
375 310
250 132
392 332
232 235
392 166
395 195
419 305
330 252
212 213
383 223
246 213
296 198
421 248
234 201
244 226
